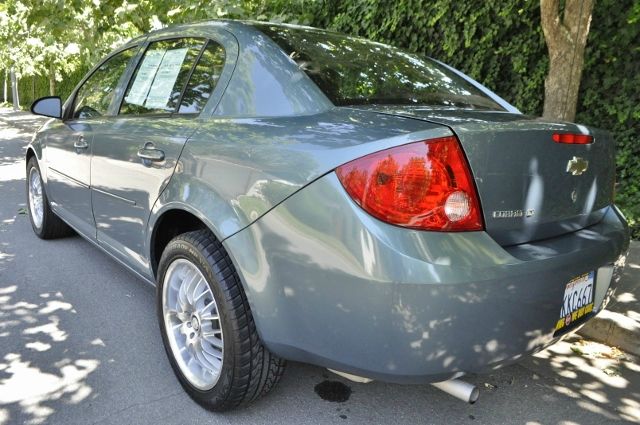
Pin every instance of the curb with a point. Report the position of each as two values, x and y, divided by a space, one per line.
614 329
619 324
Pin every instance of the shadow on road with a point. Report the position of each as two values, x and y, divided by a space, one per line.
43 373
598 378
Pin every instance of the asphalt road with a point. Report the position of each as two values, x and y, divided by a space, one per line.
79 344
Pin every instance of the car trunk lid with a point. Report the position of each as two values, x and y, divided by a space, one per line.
530 187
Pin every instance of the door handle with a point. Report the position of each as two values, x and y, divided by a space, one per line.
80 144
149 154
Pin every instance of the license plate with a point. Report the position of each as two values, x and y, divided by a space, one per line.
577 301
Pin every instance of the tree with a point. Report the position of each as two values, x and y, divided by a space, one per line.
566 34
29 44
12 36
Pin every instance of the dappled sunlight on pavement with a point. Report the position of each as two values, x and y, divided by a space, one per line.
30 387
43 372
39 370
600 379
627 297
11 167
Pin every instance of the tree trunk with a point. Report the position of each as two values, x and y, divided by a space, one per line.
4 92
52 80
14 90
566 35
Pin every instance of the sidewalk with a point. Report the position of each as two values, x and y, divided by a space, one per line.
619 324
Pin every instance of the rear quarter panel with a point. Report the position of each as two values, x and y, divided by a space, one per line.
232 171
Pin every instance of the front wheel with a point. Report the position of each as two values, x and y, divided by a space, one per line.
45 223
207 328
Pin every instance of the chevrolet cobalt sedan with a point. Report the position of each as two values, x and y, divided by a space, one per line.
298 194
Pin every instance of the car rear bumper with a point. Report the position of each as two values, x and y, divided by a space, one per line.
332 286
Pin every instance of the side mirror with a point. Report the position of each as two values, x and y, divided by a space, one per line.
50 106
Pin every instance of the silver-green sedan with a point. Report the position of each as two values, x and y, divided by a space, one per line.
300 194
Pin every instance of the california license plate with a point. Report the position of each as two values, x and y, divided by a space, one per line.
577 301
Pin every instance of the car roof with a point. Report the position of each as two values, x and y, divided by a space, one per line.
233 25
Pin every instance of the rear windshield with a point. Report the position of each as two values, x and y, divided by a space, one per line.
354 71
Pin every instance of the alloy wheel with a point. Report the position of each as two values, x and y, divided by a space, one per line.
36 201
192 324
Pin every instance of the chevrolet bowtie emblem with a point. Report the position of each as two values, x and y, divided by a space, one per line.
577 166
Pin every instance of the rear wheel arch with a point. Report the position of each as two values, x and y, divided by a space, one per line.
174 220
169 224
248 370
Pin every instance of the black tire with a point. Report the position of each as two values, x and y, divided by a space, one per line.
249 370
52 226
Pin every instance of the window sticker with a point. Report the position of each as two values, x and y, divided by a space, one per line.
144 77
165 78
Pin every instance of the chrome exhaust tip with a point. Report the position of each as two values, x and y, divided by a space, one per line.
459 389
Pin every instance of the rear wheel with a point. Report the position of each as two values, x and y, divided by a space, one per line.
45 223
207 327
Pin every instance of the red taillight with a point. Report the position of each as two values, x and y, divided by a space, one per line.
424 185
572 139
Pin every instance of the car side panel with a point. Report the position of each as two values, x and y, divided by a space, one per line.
68 172
124 188
234 170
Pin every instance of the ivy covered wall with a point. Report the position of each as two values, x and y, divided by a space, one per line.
498 43
501 44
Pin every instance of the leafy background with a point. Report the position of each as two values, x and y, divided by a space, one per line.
498 43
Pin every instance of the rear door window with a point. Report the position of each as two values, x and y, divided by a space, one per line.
204 78
161 76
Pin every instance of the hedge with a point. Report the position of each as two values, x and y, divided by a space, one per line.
501 44
498 43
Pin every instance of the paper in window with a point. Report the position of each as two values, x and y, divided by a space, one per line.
144 77
165 79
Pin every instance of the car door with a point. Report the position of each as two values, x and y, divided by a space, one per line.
135 153
68 143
